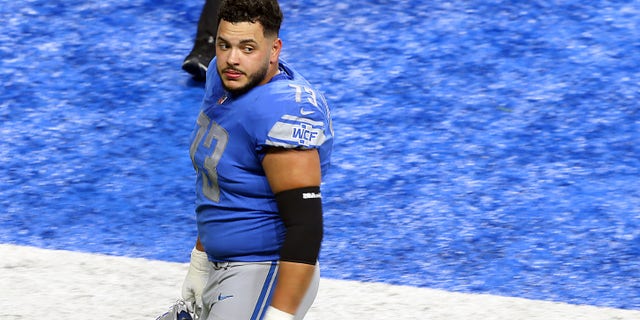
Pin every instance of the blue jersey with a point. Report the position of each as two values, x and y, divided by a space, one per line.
236 211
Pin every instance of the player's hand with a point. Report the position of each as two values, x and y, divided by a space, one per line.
196 279
275 314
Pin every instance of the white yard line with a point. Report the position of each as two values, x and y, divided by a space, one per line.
52 284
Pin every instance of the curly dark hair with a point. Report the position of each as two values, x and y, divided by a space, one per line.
266 12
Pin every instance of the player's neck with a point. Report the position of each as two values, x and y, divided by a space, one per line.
274 70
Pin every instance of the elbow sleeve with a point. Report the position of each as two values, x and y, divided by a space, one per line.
301 212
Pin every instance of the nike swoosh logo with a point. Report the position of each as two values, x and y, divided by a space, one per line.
306 112
221 297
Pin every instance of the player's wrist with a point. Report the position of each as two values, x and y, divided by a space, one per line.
199 260
275 314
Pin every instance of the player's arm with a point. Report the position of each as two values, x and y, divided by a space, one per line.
294 177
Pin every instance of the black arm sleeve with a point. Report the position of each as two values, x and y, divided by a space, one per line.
301 212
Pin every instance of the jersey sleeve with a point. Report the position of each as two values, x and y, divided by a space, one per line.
297 131
294 123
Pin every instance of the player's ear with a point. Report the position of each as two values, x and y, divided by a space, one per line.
275 50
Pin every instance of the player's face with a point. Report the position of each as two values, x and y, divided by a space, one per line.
246 58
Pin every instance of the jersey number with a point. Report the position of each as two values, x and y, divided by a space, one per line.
313 100
210 186
312 94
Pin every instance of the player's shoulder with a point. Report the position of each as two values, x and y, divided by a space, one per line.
214 90
292 94
294 114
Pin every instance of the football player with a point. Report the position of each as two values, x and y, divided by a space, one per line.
260 148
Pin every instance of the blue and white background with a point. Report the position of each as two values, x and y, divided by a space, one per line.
481 146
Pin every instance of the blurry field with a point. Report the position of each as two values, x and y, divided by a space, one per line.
481 146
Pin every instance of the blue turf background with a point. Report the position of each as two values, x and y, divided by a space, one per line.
482 146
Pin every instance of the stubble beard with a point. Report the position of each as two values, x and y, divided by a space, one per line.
254 80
